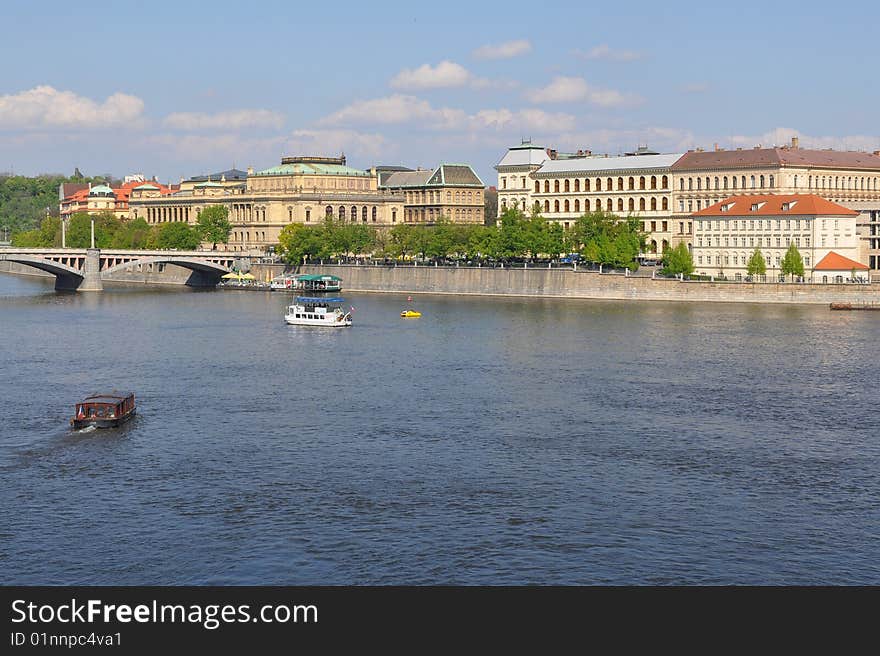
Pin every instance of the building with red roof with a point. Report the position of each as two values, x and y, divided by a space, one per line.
728 233
94 199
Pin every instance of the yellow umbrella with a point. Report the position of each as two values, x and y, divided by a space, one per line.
231 275
247 276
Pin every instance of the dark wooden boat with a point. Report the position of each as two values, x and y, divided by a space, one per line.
104 410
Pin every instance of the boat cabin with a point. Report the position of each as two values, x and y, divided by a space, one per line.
104 410
313 282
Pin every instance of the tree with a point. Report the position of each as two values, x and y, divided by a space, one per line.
678 260
792 263
132 235
79 230
298 242
756 266
177 235
213 225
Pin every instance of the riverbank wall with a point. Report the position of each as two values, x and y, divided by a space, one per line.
565 283
531 282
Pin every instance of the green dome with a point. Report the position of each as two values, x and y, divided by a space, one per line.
101 190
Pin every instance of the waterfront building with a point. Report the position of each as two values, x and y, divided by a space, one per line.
95 199
299 190
451 191
564 186
727 233
848 178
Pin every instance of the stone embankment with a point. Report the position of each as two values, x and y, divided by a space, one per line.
565 283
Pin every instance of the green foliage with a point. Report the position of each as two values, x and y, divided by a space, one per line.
756 266
79 228
23 201
607 239
177 235
678 260
48 235
213 225
132 235
792 263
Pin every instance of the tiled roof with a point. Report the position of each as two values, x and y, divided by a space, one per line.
312 168
596 164
523 155
761 157
231 174
773 205
836 262
408 179
459 174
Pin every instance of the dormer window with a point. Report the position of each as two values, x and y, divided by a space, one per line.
789 205
727 207
756 206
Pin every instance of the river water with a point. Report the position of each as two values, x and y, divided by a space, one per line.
493 441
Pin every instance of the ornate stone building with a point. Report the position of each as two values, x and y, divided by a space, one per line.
848 178
452 191
565 186
727 233
299 190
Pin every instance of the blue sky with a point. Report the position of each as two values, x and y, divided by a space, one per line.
178 89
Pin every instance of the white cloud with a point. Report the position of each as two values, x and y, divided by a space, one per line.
46 107
231 120
504 50
401 109
575 89
782 137
394 109
331 142
605 52
444 75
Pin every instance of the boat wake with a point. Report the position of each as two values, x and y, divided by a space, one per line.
87 429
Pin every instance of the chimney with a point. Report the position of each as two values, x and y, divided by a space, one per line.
877 152
250 170
716 147
795 142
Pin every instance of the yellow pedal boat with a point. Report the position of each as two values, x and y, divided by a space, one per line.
410 314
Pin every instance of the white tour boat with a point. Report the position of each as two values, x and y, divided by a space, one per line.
309 311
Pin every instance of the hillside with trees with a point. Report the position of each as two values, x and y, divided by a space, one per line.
24 201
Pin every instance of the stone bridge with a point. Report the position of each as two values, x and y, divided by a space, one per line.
85 269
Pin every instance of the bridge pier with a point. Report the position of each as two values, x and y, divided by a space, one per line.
91 272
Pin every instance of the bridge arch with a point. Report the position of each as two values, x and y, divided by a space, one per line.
66 276
193 264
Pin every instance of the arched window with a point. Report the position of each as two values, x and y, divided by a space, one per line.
567 209
631 182
716 182
328 211
761 179
665 204
699 183
744 181
642 182
665 182
587 184
653 182
642 204
577 184
354 213
567 186
619 204
374 214
546 186
724 182
536 207
598 184
752 182
608 205
448 196
690 184
771 181
587 205
653 203
632 205
610 184
537 186
556 206
577 203
733 179
619 184
364 214
341 213
556 186
547 206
